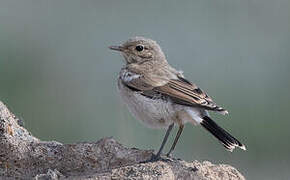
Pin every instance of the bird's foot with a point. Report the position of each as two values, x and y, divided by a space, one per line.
155 158
168 155
171 157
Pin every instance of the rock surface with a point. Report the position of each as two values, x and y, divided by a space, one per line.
23 156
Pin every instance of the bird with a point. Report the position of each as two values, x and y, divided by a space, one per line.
161 97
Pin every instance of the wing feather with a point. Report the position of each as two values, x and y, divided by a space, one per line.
179 90
188 94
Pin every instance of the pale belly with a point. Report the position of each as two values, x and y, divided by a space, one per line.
154 113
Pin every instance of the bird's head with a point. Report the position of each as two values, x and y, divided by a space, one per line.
139 49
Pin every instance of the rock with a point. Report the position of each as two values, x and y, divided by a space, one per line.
24 156
53 175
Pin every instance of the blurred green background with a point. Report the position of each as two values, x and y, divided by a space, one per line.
57 73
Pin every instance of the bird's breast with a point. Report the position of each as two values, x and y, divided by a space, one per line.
154 112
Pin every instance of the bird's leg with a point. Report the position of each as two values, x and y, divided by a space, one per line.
157 156
175 140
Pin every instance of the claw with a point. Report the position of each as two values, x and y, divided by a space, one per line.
153 158
168 155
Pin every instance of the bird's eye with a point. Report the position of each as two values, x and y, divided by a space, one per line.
139 48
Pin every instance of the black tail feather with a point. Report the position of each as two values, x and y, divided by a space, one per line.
224 137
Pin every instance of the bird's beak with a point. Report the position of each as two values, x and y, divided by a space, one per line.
117 48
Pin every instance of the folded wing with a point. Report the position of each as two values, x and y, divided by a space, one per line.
179 90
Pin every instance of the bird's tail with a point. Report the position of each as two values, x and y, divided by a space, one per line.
229 142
